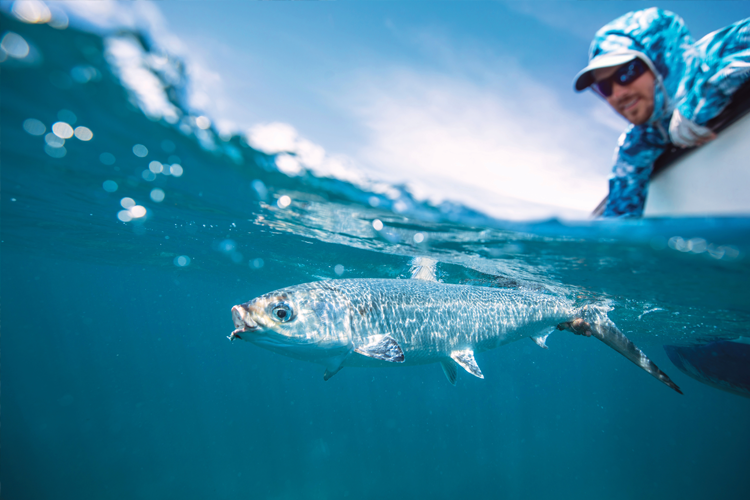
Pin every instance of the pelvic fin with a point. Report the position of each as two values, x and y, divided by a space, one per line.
465 358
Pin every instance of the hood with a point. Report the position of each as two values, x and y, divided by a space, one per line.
658 37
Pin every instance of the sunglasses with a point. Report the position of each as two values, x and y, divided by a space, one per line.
623 76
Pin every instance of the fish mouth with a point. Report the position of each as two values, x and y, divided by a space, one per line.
242 322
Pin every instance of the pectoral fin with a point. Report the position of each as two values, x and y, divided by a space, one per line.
449 368
383 347
334 364
330 373
465 358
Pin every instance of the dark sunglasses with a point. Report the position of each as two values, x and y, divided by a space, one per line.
623 76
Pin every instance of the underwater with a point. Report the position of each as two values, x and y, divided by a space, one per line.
131 228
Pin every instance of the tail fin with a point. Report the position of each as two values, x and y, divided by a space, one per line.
598 325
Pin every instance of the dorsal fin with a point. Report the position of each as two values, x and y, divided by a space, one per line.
423 268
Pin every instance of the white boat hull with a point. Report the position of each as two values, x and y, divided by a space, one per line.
713 180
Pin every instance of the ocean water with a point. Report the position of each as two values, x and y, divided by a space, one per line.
125 246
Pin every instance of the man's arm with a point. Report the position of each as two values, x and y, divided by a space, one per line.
725 67
634 161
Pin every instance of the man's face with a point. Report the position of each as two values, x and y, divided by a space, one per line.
635 101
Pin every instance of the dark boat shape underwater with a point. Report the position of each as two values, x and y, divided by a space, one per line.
724 364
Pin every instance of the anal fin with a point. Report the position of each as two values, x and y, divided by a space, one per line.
330 373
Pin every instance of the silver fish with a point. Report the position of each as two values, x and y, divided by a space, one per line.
393 322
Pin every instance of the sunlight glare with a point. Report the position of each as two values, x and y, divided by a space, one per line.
62 130
31 12
34 126
284 201
157 195
140 150
127 203
83 134
14 45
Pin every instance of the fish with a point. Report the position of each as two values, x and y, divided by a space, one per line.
405 322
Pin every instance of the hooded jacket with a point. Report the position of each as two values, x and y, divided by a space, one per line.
698 78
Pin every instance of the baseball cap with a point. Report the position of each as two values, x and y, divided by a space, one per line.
585 77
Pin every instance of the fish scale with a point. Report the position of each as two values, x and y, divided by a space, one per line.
386 322
429 320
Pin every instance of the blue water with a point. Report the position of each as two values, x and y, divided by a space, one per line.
118 380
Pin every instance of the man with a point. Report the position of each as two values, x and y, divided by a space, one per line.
648 68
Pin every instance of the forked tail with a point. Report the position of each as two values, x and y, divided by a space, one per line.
593 321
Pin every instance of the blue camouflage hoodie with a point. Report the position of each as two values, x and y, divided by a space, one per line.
696 78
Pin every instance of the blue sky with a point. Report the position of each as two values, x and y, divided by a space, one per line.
471 101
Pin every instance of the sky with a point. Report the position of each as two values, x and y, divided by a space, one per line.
467 101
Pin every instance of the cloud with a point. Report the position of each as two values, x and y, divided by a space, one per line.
484 141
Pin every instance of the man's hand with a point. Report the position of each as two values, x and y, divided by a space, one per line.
577 326
685 133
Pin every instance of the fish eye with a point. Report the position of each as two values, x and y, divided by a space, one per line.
281 312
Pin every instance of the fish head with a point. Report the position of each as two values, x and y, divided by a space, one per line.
297 322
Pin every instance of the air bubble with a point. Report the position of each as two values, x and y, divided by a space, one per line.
107 158
58 152
176 170
157 195
182 261
156 167
54 141
284 201
14 45
83 134
62 130
140 150
203 122
137 211
34 127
